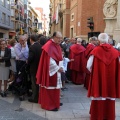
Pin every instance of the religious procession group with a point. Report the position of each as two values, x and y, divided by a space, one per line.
43 65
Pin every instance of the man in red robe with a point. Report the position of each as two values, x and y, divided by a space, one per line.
48 74
104 86
77 67
89 48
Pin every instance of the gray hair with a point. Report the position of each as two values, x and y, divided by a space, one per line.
79 40
103 37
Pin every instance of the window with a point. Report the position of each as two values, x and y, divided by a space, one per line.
72 17
71 32
3 2
8 4
12 25
3 18
8 20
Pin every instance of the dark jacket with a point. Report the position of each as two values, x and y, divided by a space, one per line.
6 57
34 57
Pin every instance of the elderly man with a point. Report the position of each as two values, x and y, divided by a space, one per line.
21 51
92 44
104 87
77 67
48 74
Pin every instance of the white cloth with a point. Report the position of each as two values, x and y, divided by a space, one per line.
89 67
90 62
53 69
65 63
4 71
12 60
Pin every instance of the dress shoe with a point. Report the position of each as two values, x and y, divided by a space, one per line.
33 101
54 109
61 104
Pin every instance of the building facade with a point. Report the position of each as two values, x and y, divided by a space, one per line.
43 23
5 18
73 15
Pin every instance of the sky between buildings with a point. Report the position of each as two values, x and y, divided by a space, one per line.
41 3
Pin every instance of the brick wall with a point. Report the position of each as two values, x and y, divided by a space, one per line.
83 10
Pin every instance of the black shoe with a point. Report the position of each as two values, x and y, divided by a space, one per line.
61 104
64 89
3 94
29 94
54 109
67 81
33 101
21 98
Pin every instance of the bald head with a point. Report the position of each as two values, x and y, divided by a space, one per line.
57 37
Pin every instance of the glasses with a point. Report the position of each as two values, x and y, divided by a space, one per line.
3 43
58 37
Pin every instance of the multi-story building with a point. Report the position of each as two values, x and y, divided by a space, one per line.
32 21
17 15
5 22
43 23
70 16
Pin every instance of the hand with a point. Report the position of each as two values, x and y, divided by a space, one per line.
24 44
60 70
0 57
27 61
72 60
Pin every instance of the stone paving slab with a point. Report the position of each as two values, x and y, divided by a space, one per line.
75 107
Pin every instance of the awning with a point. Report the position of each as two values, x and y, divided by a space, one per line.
12 33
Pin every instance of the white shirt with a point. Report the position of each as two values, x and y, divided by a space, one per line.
53 69
65 63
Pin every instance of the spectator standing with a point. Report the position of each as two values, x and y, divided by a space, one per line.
5 55
21 51
48 76
89 48
33 61
103 64
77 67
12 60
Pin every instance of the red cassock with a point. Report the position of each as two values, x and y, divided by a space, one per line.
48 98
77 67
105 82
89 48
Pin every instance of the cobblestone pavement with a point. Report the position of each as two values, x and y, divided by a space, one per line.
75 107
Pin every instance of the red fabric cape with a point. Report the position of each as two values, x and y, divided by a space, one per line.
50 49
105 75
89 48
77 53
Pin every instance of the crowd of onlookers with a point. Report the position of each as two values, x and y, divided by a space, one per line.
16 53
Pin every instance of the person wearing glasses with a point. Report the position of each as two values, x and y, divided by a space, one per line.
48 74
5 55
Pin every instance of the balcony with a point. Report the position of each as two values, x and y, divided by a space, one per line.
50 6
17 30
17 18
50 15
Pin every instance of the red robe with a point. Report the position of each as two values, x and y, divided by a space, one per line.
105 82
89 48
48 98
77 67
